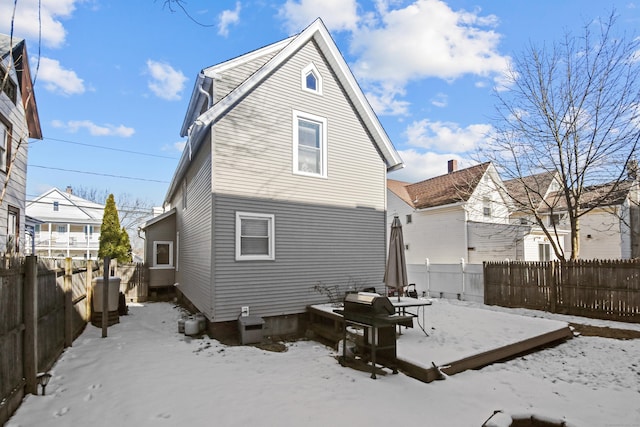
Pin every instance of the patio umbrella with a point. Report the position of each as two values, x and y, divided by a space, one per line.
395 274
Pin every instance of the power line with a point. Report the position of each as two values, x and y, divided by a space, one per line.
100 174
111 148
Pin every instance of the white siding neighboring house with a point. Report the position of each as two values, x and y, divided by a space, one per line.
281 186
461 215
536 191
67 225
611 228
19 122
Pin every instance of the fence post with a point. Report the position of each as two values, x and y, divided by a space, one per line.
88 280
68 303
105 297
553 286
30 310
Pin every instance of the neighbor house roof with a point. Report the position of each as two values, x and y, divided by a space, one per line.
71 208
454 187
534 186
600 195
17 48
285 49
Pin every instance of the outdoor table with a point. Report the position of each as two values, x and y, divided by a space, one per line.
403 303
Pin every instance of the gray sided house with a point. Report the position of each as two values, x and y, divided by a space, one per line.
281 186
19 122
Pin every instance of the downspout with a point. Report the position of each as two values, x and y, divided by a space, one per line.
204 92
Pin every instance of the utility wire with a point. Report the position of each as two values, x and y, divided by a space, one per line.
111 148
100 174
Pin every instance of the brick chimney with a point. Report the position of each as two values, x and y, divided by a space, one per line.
69 190
452 165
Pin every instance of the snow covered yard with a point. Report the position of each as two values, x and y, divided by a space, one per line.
146 374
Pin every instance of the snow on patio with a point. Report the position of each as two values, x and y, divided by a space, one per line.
454 336
146 374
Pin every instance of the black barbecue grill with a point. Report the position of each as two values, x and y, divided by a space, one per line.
377 316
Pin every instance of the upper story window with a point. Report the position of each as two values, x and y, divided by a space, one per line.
9 87
5 144
409 219
311 79
309 145
56 206
486 207
554 220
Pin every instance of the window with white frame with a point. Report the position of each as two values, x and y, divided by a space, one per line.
486 207
163 254
311 79
13 229
309 145
255 236
544 252
5 144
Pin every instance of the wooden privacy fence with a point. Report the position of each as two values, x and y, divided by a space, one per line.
44 306
600 289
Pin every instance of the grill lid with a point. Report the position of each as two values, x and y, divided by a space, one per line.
368 303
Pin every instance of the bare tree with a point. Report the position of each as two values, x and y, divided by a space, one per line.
572 111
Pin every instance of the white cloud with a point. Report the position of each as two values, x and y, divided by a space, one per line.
440 100
337 15
57 79
166 82
176 146
94 129
428 39
227 18
384 100
445 136
420 165
179 146
26 23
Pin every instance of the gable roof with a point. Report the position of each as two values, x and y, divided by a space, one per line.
454 187
72 208
599 195
17 48
534 186
285 49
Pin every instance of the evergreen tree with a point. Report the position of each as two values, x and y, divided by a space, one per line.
112 242
126 244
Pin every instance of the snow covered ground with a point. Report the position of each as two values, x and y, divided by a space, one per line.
147 374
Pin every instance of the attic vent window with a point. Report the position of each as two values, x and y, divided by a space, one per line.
311 79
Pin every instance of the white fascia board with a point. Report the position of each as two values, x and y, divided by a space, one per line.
194 102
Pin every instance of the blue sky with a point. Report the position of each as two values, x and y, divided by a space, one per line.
115 77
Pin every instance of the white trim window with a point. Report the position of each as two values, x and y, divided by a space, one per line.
5 144
162 254
255 237
309 145
311 80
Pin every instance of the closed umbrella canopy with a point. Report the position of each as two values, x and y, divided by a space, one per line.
395 275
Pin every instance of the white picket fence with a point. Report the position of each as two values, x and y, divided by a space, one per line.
455 281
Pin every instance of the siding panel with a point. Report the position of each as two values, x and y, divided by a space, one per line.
254 143
194 225
315 244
